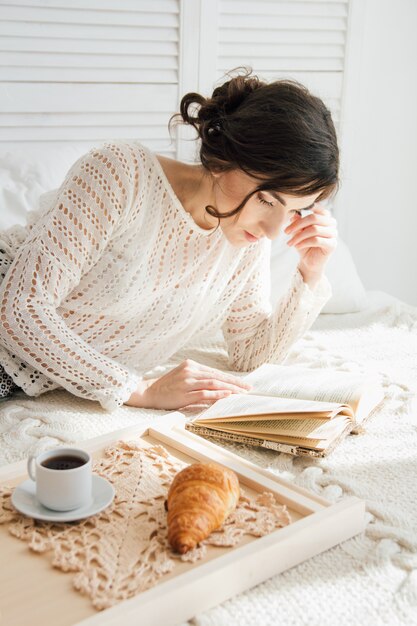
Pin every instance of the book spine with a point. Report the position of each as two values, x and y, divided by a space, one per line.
252 441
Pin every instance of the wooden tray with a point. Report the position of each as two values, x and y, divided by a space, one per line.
33 592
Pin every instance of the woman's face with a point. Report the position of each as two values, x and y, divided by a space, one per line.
265 214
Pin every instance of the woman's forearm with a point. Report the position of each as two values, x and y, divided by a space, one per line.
271 340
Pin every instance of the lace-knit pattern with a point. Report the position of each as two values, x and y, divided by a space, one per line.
124 549
111 277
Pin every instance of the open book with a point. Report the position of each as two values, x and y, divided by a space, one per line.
293 409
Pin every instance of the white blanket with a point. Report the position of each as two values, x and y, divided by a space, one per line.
370 579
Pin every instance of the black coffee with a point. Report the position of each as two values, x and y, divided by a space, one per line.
63 462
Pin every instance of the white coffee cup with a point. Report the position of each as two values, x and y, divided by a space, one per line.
62 486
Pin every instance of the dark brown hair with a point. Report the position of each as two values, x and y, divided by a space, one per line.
278 133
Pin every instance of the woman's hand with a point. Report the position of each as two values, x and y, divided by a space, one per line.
188 383
315 238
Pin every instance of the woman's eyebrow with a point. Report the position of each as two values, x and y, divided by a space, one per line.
280 199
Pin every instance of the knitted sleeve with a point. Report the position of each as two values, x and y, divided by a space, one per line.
63 244
254 333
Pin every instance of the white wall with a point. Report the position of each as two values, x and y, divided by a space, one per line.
376 207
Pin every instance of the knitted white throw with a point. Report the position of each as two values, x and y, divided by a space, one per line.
370 579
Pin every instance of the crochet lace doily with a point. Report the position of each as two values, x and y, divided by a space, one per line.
124 549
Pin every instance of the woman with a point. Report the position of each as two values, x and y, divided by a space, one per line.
135 254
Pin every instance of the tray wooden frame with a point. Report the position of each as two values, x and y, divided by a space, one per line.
200 586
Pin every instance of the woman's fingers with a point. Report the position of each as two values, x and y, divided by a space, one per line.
321 209
313 219
312 231
215 384
325 243
205 395
221 376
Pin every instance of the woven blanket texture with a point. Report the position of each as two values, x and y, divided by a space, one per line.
370 579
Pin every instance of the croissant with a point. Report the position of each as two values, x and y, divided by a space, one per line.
200 498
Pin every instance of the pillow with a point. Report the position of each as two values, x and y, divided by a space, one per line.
25 174
349 295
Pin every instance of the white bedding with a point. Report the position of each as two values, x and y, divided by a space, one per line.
370 579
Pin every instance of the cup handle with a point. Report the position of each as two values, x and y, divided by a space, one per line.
32 475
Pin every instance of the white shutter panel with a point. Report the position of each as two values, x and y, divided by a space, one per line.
304 41
85 71
88 70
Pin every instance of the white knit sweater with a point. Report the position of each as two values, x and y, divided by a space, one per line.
111 277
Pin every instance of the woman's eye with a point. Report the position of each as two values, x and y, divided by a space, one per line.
265 201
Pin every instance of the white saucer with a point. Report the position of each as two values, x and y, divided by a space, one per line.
25 501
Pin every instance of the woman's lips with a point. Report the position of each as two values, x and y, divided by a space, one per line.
250 237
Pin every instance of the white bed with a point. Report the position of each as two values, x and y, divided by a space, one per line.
370 579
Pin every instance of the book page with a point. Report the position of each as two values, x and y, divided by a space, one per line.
308 428
368 402
314 444
248 404
324 415
322 385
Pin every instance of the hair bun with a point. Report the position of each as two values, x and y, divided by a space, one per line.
235 91
225 99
